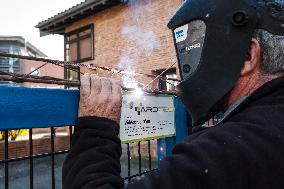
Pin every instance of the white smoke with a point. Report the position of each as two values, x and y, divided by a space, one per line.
145 42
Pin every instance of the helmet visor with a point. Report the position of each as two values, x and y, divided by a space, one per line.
189 40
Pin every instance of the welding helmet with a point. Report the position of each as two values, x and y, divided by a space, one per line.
212 38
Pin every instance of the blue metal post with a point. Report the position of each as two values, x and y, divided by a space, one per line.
165 146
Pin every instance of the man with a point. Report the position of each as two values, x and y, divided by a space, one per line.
244 150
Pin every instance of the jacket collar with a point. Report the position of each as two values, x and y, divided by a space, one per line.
264 91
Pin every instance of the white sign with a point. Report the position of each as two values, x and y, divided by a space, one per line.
146 117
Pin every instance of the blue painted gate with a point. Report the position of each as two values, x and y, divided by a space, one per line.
28 108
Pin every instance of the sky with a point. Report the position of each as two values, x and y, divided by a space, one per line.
19 17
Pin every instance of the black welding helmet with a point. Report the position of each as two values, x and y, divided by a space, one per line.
212 38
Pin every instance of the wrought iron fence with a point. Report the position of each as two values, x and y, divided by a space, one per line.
53 153
151 163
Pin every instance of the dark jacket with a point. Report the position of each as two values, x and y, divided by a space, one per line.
245 151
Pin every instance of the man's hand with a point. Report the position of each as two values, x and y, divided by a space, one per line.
100 97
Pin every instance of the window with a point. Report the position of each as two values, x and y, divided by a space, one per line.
171 83
168 85
79 47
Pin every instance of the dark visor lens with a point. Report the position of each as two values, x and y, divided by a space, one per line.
189 42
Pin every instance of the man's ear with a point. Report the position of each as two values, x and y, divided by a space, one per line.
253 58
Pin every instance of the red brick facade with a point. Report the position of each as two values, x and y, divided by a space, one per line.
48 70
133 36
21 148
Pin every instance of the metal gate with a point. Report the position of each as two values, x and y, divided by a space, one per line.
31 108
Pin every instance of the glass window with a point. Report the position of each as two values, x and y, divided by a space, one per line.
79 47
79 44
170 83
167 85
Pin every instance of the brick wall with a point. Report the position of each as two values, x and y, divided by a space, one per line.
133 36
48 70
21 148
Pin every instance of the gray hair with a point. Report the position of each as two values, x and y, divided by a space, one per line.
272 51
272 46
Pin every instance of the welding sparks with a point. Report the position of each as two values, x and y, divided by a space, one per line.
138 92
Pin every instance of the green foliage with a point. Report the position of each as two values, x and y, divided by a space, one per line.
13 134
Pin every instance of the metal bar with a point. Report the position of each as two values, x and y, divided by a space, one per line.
139 155
45 80
165 146
52 134
160 75
34 156
143 173
128 161
19 78
17 75
149 155
181 117
31 158
50 107
75 64
70 134
27 75
55 62
6 135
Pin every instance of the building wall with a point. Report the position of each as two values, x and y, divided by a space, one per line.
133 36
49 70
40 146
26 66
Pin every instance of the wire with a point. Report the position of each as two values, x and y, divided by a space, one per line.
71 65
160 75
19 78
36 69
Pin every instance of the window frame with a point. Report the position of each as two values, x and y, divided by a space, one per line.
162 85
77 32
78 39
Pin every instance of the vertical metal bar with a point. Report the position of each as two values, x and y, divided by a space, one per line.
31 159
149 155
65 59
6 135
92 42
181 117
52 130
78 46
128 160
78 52
71 134
139 154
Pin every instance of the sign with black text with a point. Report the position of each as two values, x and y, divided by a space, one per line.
146 117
